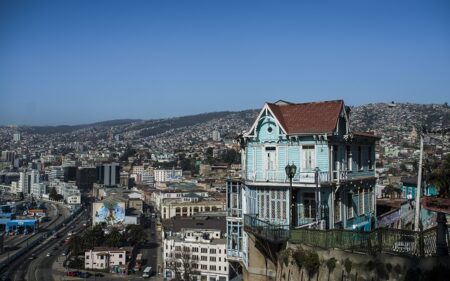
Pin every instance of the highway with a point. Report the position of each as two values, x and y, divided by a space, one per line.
41 266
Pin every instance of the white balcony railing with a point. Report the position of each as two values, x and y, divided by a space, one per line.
280 176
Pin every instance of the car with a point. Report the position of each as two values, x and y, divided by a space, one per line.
32 257
49 254
98 275
84 275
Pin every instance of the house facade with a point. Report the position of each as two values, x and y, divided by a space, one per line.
114 259
333 185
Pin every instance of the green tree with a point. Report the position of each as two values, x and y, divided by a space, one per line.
53 193
76 246
136 234
440 177
114 237
94 237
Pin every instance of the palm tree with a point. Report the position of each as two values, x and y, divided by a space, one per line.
114 237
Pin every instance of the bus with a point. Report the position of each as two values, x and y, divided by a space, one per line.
147 272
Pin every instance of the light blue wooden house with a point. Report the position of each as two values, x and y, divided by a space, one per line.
333 185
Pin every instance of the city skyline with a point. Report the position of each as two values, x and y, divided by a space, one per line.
68 63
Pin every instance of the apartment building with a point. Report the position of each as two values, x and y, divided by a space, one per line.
197 244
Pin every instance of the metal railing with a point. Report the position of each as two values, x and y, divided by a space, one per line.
386 240
266 230
280 176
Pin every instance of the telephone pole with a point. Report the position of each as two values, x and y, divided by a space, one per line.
419 185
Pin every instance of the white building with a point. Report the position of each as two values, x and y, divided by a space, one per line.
16 137
38 189
166 175
105 258
158 196
68 190
216 136
56 172
204 248
24 183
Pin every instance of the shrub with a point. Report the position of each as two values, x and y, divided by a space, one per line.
307 259
331 264
348 265
284 256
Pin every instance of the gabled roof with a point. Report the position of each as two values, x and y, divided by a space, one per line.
308 118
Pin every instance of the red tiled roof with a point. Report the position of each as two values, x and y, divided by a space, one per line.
305 118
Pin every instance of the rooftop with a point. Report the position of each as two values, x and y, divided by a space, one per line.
307 118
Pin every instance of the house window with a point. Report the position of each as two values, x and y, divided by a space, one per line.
271 163
204 266
204 258
212 251
212 267
349 205
360 166
361 202
366 202
204 251
349 158
369 157
309 205
337 209
308 158
195 249
212 258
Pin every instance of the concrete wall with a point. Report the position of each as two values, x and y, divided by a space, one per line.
260 267
365 267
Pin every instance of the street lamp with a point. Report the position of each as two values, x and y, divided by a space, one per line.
317 193
290 173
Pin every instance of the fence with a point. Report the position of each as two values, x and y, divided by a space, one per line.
266 230
394 241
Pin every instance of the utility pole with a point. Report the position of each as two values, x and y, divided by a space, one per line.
419 183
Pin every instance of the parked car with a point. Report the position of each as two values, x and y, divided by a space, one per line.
84 275
49 254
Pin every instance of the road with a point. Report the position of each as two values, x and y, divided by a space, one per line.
21 267
16 243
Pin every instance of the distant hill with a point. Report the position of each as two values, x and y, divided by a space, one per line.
61 129
401 116
378 116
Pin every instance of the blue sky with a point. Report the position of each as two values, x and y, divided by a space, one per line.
71 62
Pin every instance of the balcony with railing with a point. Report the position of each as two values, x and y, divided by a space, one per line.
275 233
279 176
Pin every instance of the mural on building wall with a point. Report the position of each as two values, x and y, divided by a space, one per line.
109 212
